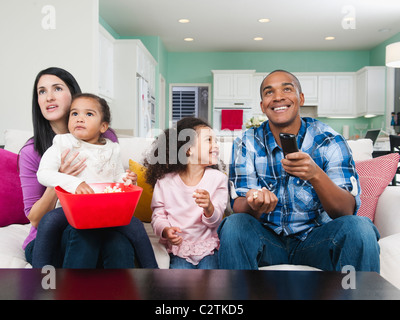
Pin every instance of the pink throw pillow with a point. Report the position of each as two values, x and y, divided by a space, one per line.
11 201
375 175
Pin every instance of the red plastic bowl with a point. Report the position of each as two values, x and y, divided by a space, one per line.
100 210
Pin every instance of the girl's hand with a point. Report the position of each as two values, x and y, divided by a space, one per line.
202 198
130 178
170 234
66 164
84 188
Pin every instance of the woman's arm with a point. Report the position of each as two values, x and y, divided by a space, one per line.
38 200
45 204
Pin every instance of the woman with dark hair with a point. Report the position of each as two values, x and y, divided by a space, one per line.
43 131
52 95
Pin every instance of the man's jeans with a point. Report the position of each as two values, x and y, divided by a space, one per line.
245 243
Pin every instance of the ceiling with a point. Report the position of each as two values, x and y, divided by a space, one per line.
232 25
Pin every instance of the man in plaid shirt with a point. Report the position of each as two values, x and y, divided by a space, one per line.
298 209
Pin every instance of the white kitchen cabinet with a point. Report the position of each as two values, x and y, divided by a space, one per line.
309 86
145 65
371 91
257 78
106 64
336 95
233 85
132 64
345 97
326 94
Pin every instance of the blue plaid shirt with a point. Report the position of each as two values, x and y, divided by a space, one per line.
256 163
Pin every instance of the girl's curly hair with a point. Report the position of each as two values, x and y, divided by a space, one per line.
169 152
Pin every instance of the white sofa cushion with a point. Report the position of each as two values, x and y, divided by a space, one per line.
387 213
14 140
11 239
134 148
362 149
159 249
390 258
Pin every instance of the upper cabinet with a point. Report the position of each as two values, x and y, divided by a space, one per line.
106 64
122 63
309 86
146 66
371 87
336 95
119 53
233 85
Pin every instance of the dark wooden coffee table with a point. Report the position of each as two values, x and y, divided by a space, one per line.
147 284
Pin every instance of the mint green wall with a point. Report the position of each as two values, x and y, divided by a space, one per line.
378 54
372 123
195 67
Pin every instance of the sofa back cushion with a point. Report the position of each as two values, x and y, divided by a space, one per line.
11 202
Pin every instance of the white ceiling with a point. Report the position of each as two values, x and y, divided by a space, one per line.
231 25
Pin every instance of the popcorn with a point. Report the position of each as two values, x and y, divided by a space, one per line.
114 189
255 194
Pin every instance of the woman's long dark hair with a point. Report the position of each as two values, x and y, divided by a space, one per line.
158 165
43 134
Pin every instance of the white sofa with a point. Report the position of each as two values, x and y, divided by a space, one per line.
387 216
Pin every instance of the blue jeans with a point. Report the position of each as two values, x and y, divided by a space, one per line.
53 224
105 248
208 262
93 248
245 243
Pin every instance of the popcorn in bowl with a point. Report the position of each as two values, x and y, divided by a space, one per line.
113 189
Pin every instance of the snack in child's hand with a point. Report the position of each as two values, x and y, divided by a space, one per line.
114 189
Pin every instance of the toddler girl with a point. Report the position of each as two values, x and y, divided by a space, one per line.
190 193
89 118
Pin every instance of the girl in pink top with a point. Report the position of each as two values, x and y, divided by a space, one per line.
190 193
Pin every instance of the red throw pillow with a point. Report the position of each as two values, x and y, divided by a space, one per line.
11 202
375 175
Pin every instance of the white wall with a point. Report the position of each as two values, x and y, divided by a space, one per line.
27 48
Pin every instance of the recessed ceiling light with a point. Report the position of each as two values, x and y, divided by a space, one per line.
258 39
263 20
329 38
188 39
184 20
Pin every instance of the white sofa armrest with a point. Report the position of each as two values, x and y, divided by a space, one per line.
387 214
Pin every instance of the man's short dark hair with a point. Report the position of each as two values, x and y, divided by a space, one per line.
296 81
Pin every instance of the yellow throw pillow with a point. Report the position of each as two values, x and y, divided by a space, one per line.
143 210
